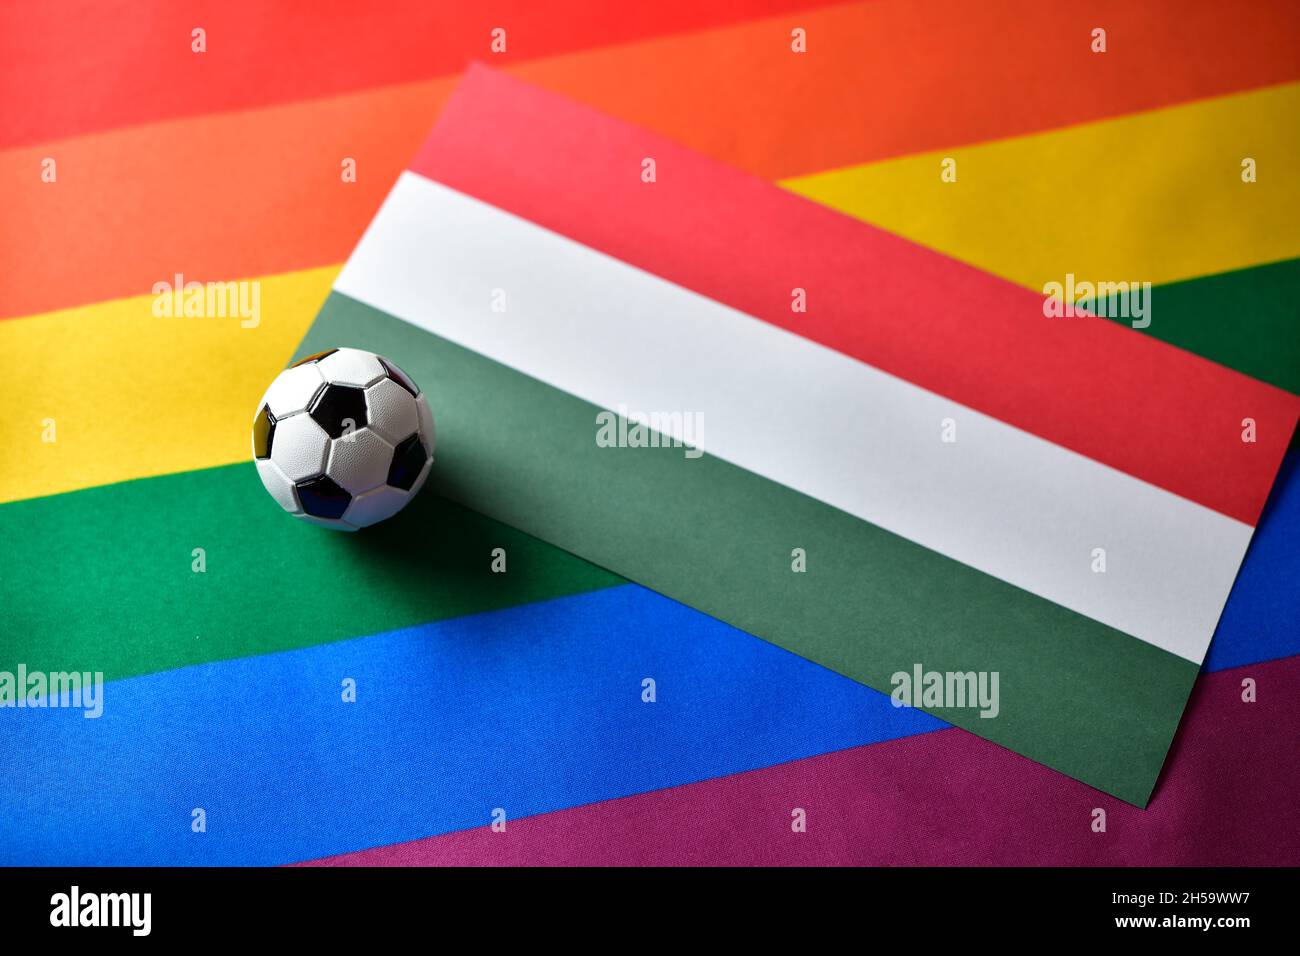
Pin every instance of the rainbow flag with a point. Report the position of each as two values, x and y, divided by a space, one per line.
141 547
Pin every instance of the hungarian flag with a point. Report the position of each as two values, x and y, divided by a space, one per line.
986 502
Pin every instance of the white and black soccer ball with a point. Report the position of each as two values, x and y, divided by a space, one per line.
343 439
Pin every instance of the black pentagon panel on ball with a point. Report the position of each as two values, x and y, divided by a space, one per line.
263 433
408 461
322 498
398 376
313 358
337 408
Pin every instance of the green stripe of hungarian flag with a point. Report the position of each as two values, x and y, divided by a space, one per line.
864 452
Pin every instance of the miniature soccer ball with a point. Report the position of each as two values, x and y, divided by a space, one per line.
343 439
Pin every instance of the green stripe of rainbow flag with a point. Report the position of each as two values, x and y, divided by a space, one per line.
979 554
